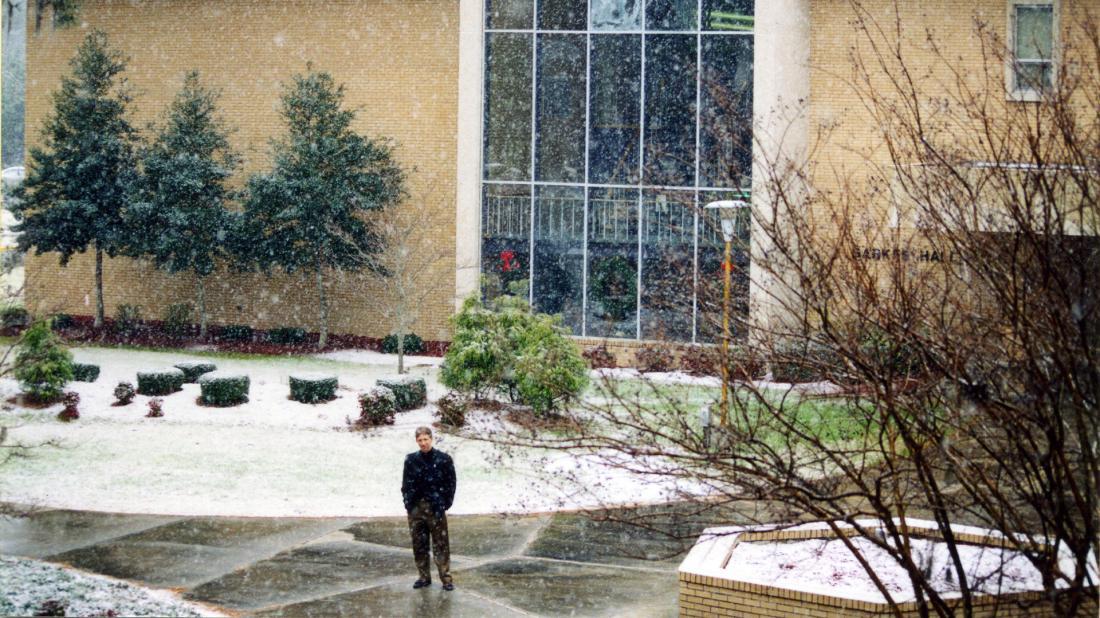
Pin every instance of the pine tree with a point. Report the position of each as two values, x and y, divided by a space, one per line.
182 193
42 365
79 178
308 212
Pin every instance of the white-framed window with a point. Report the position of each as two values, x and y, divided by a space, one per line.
1033 42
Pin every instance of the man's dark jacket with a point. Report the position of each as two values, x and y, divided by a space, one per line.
429 476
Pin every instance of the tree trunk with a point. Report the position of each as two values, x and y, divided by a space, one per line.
98 286
323 339
400 351
202 306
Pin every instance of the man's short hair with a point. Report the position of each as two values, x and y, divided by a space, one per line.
423 431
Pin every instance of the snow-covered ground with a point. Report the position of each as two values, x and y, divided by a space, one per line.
272 456
27 586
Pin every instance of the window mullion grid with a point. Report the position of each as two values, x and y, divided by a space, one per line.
587 141
695 268
534 154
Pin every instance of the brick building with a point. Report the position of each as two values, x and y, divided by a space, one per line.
568 144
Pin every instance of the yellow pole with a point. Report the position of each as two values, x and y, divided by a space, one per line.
727 266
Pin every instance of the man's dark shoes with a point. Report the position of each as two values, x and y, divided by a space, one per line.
422 583
448 587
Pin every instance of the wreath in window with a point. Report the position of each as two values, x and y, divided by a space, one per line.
614 286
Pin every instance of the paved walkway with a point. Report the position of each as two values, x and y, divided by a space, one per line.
539 565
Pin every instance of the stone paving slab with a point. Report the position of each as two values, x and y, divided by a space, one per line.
547 588
319 569
471 535
49 532
398 600
577 537
185 553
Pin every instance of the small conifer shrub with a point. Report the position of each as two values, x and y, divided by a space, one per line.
376 407
223 389
161 382
124 393
177 320
70 412
85 372
42 365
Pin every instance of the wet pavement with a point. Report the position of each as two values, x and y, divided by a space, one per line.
533 565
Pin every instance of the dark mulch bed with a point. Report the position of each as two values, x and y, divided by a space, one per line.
151 334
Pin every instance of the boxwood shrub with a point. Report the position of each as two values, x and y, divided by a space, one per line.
224 389
313 388
410 392
160 382
85 372
413 344
235 332
376 407
287 336
193 370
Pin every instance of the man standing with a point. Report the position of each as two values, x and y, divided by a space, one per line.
428 489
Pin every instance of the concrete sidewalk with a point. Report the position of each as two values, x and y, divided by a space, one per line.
538 565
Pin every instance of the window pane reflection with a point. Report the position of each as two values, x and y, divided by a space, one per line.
669 110
507 106
612 263
509 14
725 157
616 108
616 14
668 247
670 14
505 240
559 254
559 154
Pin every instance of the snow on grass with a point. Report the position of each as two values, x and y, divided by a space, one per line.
271 456
27 586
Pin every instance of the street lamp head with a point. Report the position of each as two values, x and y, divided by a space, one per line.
727 210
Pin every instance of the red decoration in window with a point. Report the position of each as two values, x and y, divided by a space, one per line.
508 261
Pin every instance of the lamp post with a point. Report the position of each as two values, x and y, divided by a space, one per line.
727 210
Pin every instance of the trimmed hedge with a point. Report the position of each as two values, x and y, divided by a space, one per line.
85 372
376 407
235 332
313 388
193 370
162 382
410 392
413 344
224 389
287 335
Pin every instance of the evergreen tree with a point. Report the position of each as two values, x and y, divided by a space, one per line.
78 179
182 193
42 365
308 212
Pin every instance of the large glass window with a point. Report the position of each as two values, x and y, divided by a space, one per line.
609 124
1033 46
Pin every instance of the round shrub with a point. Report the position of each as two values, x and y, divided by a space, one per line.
376 407
70 411
409 392
14 317
193 370
413 344
452 409
287 336
85 372
313 388
235 332
43 365
124 393
224 389
161 382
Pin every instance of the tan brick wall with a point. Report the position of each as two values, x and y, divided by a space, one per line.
398 62
705 596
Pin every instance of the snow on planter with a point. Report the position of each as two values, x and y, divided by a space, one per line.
160 382
807 570
313 387
224 389
376 407
85 372
410 392
193 370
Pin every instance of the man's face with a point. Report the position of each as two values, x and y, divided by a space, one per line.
424 441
